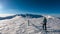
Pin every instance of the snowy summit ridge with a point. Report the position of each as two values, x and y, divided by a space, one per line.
20 24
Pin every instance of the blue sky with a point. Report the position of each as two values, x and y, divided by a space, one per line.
30 6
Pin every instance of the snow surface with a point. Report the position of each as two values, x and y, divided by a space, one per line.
20 25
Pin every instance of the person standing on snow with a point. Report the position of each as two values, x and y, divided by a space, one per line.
44 24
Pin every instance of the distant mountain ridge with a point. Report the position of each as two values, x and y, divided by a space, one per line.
26 16
7 17
23 15
30 15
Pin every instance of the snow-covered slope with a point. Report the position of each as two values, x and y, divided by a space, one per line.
28 24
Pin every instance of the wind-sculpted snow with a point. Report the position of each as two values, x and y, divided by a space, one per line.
21 25
54 23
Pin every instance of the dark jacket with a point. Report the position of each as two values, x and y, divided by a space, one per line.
44 21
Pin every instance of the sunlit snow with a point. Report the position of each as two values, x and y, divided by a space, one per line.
20 25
